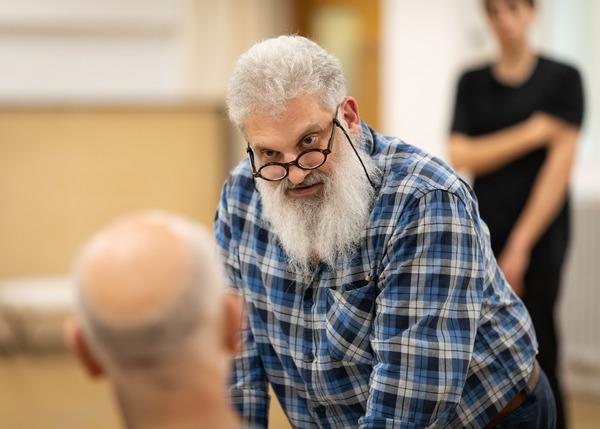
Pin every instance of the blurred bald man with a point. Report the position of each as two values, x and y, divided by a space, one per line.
154 318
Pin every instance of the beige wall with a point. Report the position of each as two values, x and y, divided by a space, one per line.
65 172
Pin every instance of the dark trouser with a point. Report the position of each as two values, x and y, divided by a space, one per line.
538 411
541 313
542 283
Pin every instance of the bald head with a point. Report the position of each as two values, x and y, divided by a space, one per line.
133 269
146 284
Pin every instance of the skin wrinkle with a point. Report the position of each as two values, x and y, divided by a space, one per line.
257 147
129 340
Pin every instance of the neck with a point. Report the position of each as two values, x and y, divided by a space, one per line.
516 63
314 260
199 404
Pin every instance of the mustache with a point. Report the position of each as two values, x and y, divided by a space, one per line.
311 179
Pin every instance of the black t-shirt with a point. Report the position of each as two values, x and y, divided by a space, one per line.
484 105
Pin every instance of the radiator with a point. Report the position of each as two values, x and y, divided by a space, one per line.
579 306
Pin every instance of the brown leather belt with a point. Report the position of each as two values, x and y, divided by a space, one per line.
517 400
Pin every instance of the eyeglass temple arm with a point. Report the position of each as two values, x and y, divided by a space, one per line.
250 154
336 122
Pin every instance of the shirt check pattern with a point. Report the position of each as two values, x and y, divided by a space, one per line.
436 337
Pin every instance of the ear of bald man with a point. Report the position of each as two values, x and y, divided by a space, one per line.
76 343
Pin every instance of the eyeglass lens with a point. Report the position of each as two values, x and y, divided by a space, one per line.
307 161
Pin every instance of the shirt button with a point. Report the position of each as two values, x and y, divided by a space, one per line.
321 410
309 357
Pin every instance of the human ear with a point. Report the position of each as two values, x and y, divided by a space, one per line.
75 341
350 115
234 320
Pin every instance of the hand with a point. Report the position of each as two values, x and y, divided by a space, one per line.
514 261
543 127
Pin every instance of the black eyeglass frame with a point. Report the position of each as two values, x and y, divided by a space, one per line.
286 165
325 152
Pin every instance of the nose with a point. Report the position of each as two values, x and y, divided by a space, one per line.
503 18
296 175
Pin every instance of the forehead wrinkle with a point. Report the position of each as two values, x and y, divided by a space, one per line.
316 127
300 116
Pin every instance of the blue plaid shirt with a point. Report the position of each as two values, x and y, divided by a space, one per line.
434 338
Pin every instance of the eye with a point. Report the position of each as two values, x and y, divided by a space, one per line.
493 12
268 153
307 141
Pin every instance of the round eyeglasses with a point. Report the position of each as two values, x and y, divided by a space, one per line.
310 159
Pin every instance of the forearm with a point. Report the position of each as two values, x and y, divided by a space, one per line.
548 194
486 153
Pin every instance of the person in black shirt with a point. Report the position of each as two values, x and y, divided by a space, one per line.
515 128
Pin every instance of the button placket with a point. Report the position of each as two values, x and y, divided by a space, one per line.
307 304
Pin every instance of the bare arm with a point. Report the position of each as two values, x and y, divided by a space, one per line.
484 154
545 201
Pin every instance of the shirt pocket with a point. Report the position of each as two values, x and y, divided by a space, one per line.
348 324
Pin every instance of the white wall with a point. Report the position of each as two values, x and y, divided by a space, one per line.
574 35
219 31
421 55
88 51
127 51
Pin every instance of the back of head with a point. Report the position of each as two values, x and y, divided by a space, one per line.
148 290
275 71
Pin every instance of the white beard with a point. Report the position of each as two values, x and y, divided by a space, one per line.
327 226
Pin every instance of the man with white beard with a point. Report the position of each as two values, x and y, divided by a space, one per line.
372 293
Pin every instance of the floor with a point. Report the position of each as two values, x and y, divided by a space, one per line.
51 392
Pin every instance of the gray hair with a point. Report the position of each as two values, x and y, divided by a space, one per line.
168 331
275 71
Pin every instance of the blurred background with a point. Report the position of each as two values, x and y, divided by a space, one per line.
112 106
